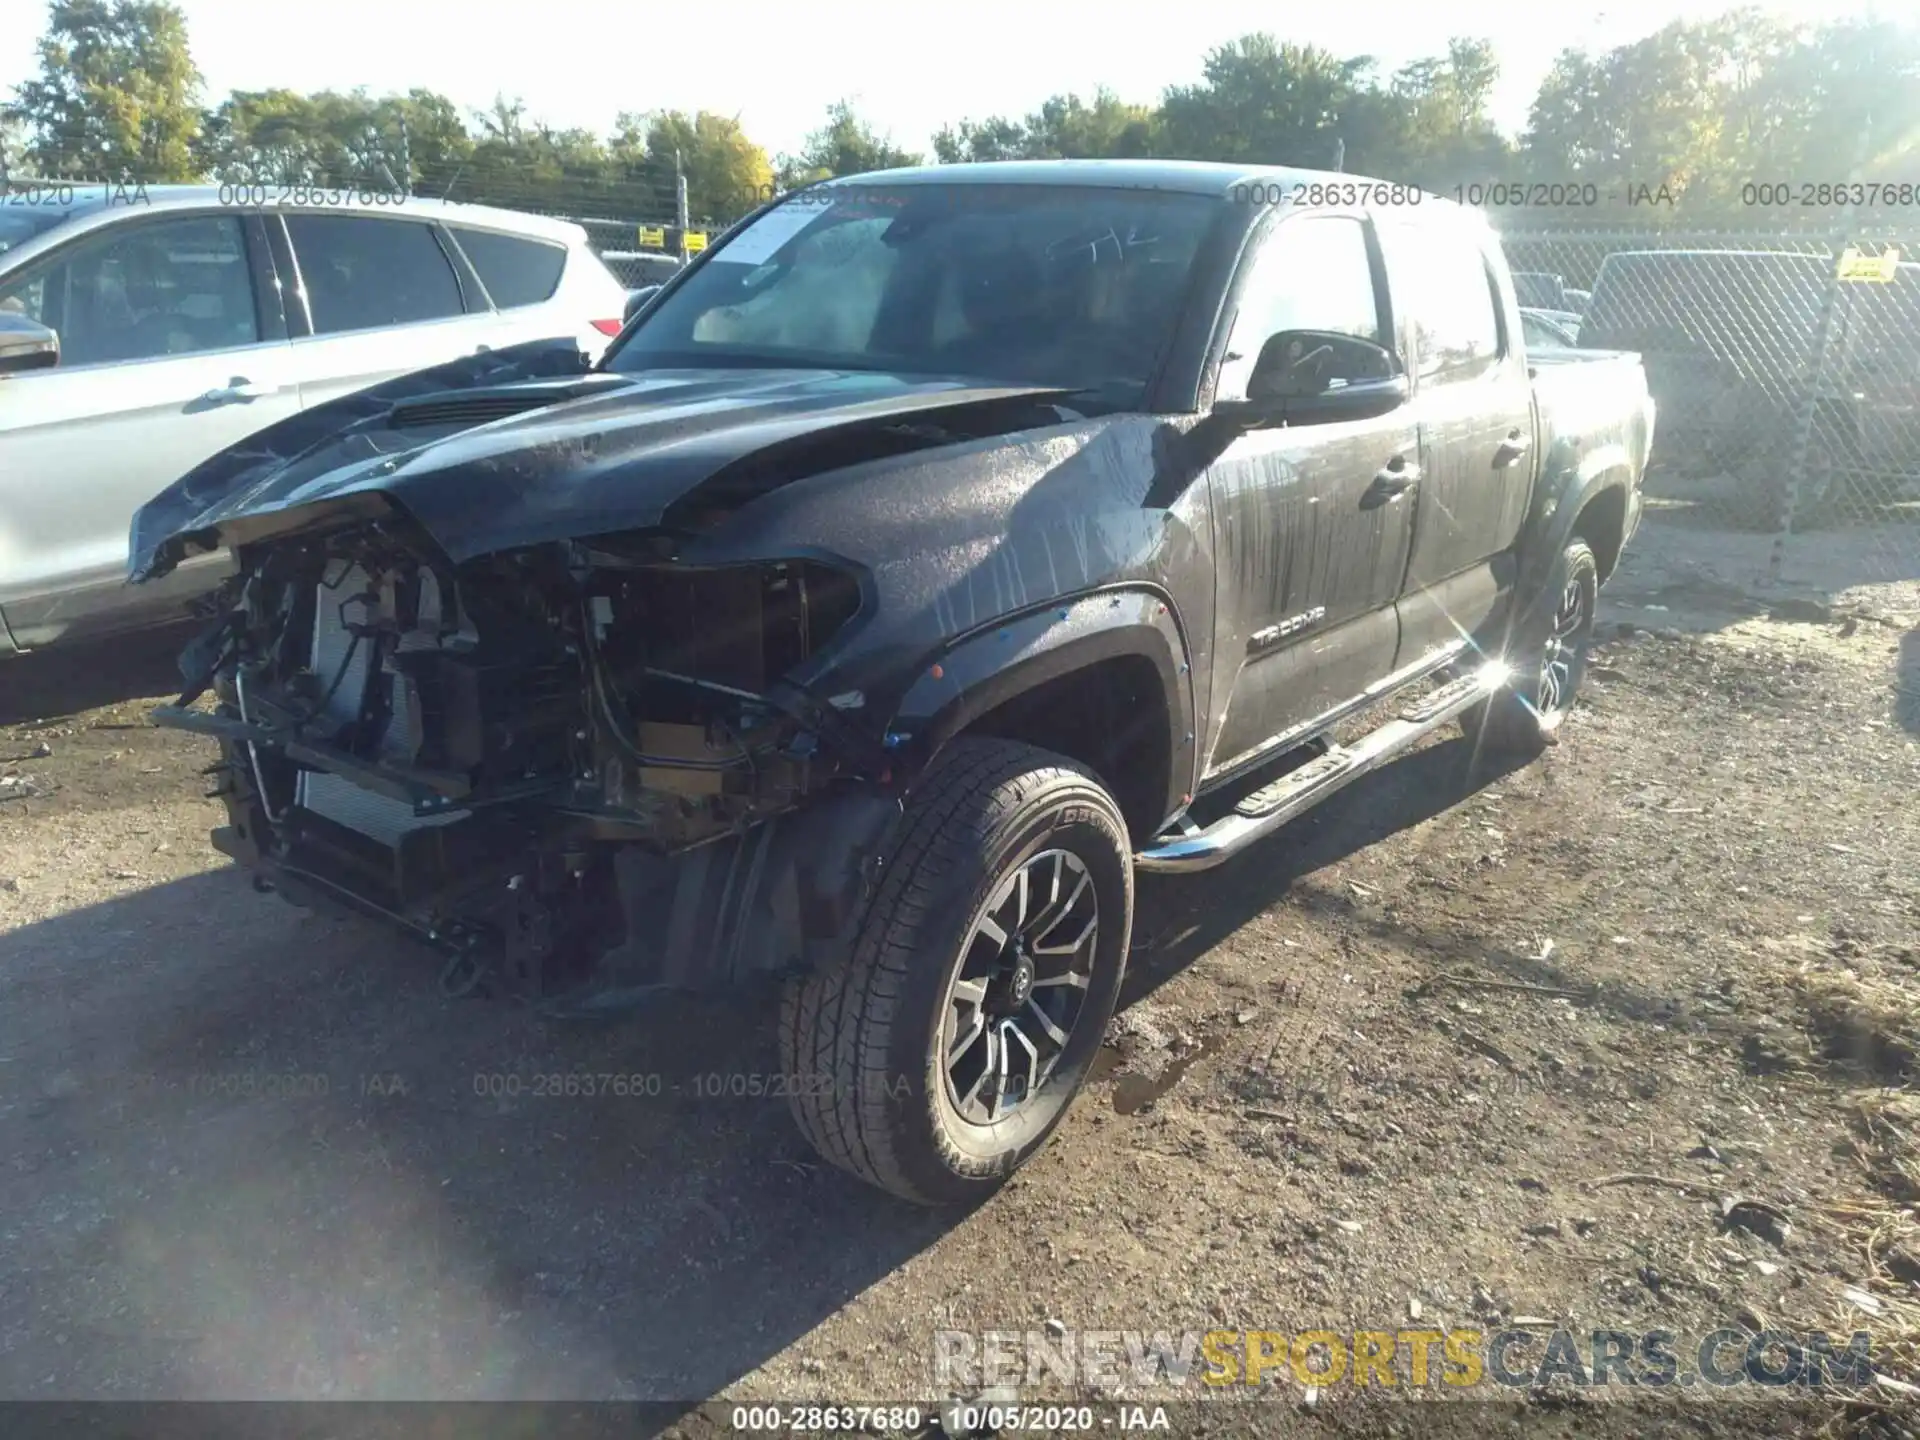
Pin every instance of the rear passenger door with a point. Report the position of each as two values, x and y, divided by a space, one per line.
1474 403
376 296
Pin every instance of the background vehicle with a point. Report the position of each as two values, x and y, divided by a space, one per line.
1729 336
1539 290
1576 300
1545 330
650 270
186 324
932 554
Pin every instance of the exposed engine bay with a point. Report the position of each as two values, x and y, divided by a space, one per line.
516 758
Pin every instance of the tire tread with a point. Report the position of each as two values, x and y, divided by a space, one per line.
837 1024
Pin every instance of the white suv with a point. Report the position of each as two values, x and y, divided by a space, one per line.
186 318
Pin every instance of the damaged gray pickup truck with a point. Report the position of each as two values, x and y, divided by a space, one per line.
935 551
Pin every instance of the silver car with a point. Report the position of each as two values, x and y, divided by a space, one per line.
142 332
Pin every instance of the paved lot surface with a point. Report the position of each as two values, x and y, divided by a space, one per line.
1419 1056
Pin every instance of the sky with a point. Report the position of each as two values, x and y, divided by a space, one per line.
907 70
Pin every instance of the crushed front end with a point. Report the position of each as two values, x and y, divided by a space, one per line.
576 768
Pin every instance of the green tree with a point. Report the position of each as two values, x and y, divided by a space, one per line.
1443 132
845 145
117 93
399 141
524 164
1648 114
1065 127
1471 72
1261 102
1753 46
267 136
972 142
14 140
727 174
1837 102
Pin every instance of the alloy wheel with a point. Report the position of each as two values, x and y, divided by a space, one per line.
1020 987
1565 642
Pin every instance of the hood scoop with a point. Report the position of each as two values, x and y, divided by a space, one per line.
463 410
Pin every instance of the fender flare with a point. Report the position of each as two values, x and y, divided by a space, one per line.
982 669
1605 467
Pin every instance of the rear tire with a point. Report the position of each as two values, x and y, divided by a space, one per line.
1548 657
872 1043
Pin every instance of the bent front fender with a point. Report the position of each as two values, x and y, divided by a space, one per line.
983 669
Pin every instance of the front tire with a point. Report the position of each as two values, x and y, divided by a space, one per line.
940 1052
1548 658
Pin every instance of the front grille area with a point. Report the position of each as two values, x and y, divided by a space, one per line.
379 817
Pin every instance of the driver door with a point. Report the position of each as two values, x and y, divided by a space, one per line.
1314 523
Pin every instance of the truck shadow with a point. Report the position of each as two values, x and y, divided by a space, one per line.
1179 919
257 1155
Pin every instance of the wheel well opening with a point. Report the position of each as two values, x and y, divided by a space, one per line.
1602 524
1112 718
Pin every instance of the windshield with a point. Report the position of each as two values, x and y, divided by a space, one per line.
19 226
1050 285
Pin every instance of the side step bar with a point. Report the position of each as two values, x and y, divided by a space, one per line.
1267 809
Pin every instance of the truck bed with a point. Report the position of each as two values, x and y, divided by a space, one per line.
1588 397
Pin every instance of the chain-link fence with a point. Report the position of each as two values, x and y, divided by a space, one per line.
1785 367
644 251
617 242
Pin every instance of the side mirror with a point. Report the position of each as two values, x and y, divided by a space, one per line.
636 299
1316 377
26 344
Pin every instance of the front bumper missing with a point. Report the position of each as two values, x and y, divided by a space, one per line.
427 790
489 886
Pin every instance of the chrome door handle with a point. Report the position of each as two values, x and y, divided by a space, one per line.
238 389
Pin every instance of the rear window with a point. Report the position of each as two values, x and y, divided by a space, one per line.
515 269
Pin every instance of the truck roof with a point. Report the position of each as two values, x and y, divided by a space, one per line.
1192 177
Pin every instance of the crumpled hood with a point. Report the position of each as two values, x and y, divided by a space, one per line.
518 447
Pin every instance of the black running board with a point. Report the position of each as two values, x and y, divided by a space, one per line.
1190 847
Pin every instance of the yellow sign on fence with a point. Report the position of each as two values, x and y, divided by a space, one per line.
653 237
696 241
1883 268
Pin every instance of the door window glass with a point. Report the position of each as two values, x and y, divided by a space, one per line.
1313 273
1441 275
143 292
362 273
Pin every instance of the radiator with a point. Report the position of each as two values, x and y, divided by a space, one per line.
379 817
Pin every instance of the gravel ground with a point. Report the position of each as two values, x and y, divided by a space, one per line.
1461 1047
